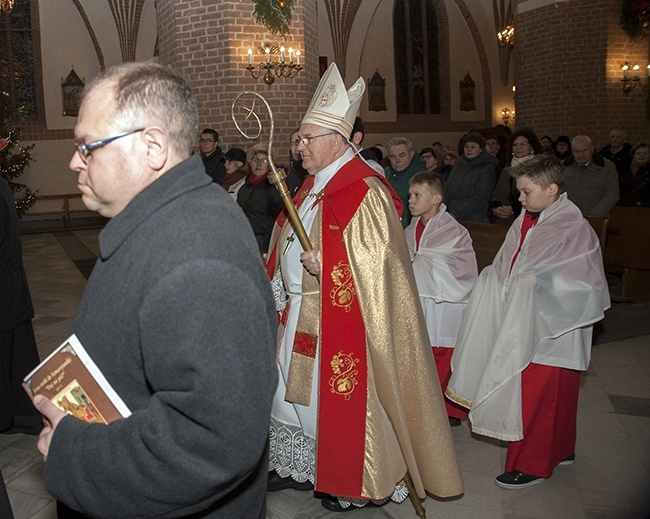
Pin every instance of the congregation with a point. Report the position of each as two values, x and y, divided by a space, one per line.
476 172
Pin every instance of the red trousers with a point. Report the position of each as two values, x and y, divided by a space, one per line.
442 356
549 407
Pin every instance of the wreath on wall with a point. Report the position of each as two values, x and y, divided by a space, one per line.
275 15
635 18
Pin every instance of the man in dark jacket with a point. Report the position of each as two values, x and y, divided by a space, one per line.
617 150
212 155
404 163
199 383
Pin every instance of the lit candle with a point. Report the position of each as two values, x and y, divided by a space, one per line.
636 70
250 56
282 54
298 57
290 54
268 54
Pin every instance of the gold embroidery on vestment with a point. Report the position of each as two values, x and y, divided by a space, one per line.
343 292
457 399
343 381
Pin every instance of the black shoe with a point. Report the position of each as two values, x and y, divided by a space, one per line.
569 460
276 483
454 422
516 479
332 504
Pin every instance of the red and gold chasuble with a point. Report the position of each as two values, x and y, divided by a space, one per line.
372 424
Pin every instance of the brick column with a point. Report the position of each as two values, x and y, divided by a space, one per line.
207 41
568 58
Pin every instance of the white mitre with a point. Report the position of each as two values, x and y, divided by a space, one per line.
333 106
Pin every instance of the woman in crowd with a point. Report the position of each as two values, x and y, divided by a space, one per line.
634 177
236 171
547 144
562 147
432 158
449 159
504 205
258 198
471 181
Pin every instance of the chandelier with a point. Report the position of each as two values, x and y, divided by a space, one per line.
506 36
6 6
269 69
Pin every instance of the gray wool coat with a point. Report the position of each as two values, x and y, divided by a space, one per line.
178 314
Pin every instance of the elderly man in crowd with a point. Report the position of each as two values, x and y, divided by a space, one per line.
404 163
198 382
617 150
346 416
591 181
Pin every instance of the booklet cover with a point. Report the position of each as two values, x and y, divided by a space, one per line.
74 383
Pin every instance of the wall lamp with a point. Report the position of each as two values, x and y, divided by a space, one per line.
506 114
631 80
269 69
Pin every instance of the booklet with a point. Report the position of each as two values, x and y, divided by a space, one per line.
74 383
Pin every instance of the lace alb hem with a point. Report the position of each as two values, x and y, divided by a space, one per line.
291 453
399 495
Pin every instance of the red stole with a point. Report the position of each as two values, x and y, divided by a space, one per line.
340 445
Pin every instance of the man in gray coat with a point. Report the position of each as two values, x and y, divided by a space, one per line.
591 181
177 314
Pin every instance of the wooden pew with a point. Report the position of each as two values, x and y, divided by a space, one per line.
627 251
487 239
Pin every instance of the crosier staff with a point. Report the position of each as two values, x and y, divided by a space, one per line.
276 175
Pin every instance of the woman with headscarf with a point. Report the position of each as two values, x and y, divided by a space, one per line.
562 147
236 171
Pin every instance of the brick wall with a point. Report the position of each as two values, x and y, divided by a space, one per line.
568 59
207 42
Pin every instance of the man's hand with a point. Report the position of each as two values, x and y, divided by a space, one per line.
311 261
502 211
53 415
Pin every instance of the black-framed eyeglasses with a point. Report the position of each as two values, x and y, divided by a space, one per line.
85 149
206 140
260 160
307 140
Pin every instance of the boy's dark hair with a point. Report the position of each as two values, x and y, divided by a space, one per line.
434 181
542 169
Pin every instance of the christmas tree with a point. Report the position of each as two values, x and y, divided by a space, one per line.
14 158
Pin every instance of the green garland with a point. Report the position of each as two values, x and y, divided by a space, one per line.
635 18
274 14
